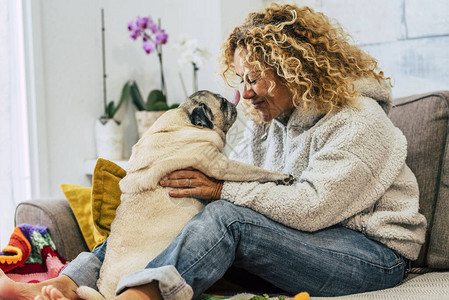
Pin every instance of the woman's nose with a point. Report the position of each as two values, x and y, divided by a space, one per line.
248 92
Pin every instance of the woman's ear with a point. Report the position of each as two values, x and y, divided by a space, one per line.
202 116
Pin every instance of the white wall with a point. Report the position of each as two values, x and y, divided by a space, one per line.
409 38
72 70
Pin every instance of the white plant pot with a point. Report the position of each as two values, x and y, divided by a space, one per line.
145 120
109 139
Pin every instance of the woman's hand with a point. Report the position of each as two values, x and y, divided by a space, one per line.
192 183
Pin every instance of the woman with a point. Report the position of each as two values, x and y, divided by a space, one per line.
349 224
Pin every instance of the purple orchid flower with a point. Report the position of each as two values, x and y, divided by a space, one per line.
149 46
142 23
135 33
153 27
161 37
146 28
152 37
130 26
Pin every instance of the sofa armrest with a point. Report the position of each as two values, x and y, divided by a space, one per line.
58 217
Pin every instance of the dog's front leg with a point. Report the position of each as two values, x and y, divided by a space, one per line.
216 165
87 293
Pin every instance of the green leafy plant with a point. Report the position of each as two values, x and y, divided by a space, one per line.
156 100
110 109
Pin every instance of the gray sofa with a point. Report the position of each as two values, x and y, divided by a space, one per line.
424 120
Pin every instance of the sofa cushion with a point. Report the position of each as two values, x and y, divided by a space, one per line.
105 196
424 121
79 198
94 208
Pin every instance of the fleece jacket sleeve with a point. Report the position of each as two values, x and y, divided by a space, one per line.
346 175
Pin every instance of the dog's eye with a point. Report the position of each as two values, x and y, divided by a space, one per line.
223 104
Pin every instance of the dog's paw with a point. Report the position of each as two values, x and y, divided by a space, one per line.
87 293
286 181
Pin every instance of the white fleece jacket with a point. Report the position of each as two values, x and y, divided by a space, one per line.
349 167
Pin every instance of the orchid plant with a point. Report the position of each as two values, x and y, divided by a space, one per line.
110 108
153 37
192 54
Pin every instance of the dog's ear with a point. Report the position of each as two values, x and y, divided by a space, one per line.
202 116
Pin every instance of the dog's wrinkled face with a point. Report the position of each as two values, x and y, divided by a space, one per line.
210 110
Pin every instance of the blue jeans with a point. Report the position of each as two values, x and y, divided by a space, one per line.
330 262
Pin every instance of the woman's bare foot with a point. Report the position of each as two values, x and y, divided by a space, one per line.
10 290
13 290
49 292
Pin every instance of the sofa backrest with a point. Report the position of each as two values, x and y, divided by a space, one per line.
424 120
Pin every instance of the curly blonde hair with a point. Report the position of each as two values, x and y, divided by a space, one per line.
310 54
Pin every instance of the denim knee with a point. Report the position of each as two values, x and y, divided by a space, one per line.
220 208
203 251
222 213
213 219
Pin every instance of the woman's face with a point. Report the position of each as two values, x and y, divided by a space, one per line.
269 105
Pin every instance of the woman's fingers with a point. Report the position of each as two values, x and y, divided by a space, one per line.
204 192
178 183
183 178
191 183
183 174
181 193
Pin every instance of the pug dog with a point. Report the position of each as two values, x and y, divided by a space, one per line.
147 220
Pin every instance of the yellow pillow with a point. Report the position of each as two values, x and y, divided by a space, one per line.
94 208
79 200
